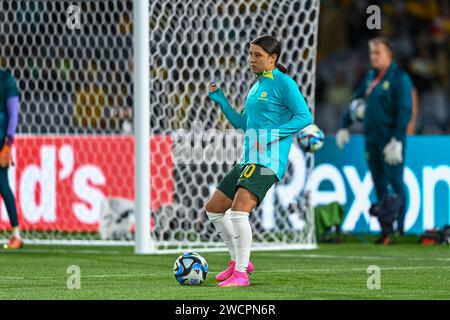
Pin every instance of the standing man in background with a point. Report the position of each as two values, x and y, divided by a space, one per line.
9 117
386 91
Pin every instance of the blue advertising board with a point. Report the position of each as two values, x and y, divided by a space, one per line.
343 176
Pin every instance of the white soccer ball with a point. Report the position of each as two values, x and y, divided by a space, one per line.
311 138
190 269
116 219
357 109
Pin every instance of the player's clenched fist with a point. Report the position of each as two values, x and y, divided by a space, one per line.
216 95
212 87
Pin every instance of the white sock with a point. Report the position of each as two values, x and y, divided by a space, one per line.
242 239
224 227
16 233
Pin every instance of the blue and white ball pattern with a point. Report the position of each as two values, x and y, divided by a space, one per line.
190 269
311 138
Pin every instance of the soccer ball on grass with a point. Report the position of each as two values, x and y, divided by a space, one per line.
190 269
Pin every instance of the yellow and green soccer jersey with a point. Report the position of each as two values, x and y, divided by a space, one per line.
274 111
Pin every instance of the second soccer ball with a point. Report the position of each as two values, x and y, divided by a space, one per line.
311 138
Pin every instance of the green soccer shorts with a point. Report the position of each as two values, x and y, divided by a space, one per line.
255 178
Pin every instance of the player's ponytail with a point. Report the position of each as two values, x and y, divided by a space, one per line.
272 46
280 67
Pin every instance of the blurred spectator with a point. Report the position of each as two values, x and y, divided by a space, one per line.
99 108
412 125
338 94
419 31
335 31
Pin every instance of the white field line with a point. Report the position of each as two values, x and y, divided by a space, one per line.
275 254
331 270
68 251
91 276
166 251
355 269
328 256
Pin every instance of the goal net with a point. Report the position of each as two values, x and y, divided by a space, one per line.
74 169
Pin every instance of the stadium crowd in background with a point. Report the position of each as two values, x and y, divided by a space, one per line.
419 32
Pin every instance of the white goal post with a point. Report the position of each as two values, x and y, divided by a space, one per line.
144 243
75 149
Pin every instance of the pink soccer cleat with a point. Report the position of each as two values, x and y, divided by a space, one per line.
229 271
237 279
14 243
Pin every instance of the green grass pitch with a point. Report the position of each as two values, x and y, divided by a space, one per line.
408 271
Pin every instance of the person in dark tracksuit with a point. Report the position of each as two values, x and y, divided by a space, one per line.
387 93
9 116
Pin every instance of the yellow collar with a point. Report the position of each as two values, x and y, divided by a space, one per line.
268 74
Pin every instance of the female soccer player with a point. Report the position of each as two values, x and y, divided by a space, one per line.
274 111
9 114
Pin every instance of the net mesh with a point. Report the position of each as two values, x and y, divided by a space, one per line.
75 149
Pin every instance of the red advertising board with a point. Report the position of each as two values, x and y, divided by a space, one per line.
59 182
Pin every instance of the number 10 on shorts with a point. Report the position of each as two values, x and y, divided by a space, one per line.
248 171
